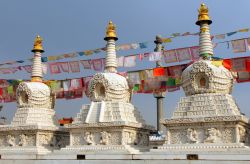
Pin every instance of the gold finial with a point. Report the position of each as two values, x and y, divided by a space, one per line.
110 33
38 47
203 15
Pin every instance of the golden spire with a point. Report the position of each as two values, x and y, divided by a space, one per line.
38 47
203 15
111 33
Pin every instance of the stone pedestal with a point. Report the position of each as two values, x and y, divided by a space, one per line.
110 122
31 139
113 127
34 129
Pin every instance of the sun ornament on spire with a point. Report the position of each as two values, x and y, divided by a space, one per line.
203 15
38 47
111 33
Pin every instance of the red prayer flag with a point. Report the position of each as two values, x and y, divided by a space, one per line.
74 66
227 64
54 68
159 71
248 65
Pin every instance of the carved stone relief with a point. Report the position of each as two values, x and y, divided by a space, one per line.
192 135
213 136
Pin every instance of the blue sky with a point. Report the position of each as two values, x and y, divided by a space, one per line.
70 26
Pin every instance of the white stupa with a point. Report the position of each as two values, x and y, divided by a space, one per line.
110 122
207 118
34 128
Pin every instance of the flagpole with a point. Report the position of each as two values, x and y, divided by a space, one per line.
159 95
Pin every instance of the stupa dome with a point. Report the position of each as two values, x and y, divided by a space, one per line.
109 87
204 77
34 94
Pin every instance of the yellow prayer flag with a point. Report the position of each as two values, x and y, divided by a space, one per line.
166 40
88 52
51 58
142 75
217 63
244 30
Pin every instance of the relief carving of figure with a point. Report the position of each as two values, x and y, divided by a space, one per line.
89 138
242 134
213 136
11 140
142 139
192 135
22 140
105 138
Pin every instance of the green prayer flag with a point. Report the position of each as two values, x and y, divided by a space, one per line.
171 82
10 89
136 87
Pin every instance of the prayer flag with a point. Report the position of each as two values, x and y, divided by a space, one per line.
97 64
44 59
248 43
183 54
243 77
143 45
136 87
220 36
80 53
51 58
159 71
217 63
44 68
86 64
97 50
175 34
135 45
244 30
10 89
120 61
134 78
227 64
248 65
238 64
170 56
125 47
129 61
186 34
170 82
74 66
88 52
76 84
155 56
27 68
231 33
166 40
195 53
238 45
64 66
54 68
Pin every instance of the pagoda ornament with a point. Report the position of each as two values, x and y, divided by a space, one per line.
205 43
111 61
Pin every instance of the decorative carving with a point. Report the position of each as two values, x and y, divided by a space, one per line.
204 77
192 135
11 140
22 140
89 138
213 136
242 134
105 138
76 140
109 87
